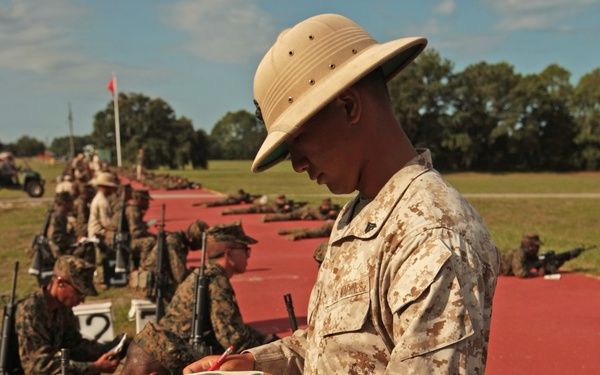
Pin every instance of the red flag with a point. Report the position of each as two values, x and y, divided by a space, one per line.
111 85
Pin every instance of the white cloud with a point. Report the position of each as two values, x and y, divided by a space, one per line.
446 7
535 14
33 36
223 30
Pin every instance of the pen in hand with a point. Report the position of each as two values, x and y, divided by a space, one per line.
221 359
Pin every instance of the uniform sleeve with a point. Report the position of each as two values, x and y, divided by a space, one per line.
137 227
36 350
519 265
285 356
437 304
226 318
177 260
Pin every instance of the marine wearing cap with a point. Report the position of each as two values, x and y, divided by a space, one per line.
219 236
78 272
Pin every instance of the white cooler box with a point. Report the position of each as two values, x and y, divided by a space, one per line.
142 311
96 321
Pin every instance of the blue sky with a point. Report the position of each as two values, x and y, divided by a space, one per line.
200 55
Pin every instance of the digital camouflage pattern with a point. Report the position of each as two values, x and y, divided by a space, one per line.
406 286
258 208
79 272
518 263
226 326
176 251
42 333
168 348
316 232
142 241
61 234
81 213
304 213
320 251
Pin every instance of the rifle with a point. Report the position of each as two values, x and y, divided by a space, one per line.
42 263
8 326
120 237
65 355
290 309
160 280
551 262
200 297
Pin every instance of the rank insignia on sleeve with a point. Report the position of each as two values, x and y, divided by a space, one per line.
370 227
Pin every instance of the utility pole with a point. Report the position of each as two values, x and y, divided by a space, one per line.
71 132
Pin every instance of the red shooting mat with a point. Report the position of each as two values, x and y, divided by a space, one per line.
538 326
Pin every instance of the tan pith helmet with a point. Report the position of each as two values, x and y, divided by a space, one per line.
309 65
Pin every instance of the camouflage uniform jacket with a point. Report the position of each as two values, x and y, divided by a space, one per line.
175 266
406 286
61 234
518 263
226 326
42 333
81 212
135 218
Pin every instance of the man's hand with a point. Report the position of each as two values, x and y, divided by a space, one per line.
237 362
106 365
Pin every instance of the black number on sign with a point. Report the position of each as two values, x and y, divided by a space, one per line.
91 317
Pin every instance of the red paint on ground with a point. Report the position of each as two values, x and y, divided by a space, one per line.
538 326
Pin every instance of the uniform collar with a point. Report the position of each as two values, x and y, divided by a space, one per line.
371 219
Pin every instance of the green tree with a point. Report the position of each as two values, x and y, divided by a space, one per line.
476 136
420 96
62 145
585 105
237 136
541 126
150 124
27 146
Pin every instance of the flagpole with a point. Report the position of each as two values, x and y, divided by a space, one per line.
117 124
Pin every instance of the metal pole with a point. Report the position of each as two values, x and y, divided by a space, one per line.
72 146
117 125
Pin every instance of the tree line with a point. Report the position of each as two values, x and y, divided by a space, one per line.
484 118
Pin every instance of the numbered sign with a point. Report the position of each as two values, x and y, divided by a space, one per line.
143 311
110 277
96 321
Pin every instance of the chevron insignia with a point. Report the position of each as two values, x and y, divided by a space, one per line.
370 227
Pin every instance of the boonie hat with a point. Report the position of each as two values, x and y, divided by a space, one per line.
106 179
78 272
167 347
309 65
219 235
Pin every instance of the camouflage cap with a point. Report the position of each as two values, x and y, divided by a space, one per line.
63 197
532 238
195 230
141 194
77 271
219 235
165 346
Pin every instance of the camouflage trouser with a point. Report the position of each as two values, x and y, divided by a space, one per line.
86 252
280 217
141 248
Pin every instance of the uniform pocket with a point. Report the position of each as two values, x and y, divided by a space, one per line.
349 311
428 303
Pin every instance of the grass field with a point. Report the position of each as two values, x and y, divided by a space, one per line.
563 223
